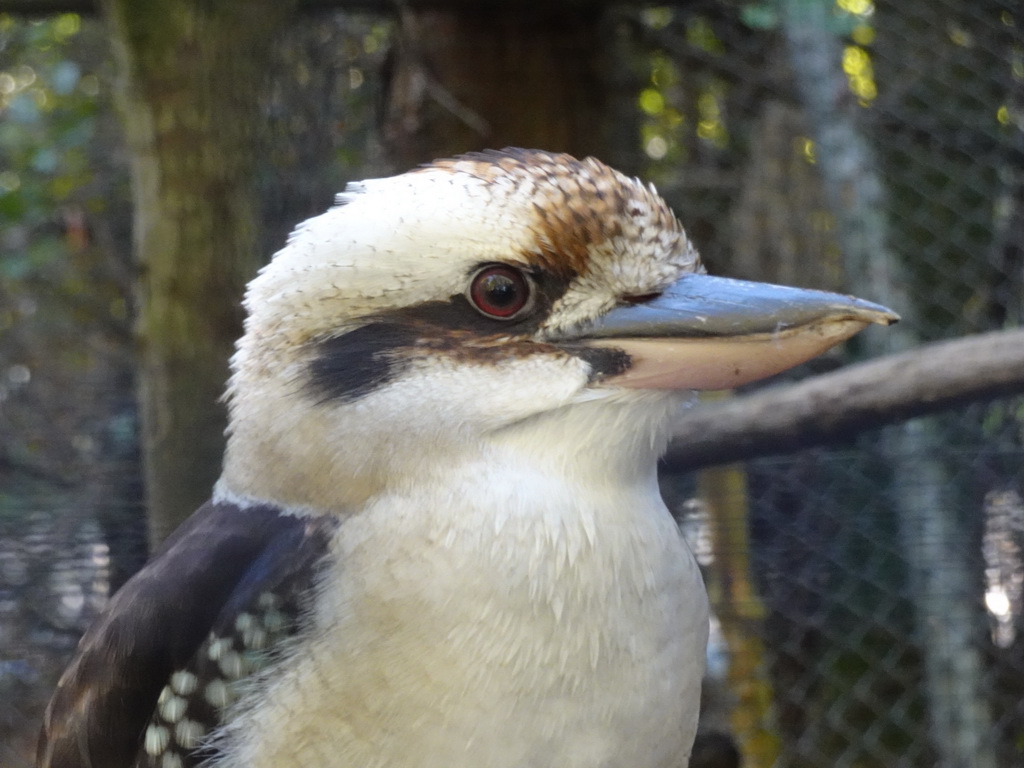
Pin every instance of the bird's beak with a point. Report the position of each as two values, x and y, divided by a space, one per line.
708 332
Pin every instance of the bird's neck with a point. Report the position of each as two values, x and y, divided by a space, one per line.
304 462
613 440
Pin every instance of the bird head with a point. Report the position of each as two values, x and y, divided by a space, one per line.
516 298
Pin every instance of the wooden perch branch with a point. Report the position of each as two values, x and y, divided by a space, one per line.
840 404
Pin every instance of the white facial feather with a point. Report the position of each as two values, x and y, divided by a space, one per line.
411 238
415 238
394 242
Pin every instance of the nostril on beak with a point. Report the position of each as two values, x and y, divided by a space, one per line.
642 298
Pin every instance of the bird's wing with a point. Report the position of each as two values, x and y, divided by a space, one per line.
153 674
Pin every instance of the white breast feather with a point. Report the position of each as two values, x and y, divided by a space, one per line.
516 611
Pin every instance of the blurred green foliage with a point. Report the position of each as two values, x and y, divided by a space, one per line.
48 107
64 264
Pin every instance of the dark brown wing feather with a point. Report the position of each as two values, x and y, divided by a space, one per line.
217 565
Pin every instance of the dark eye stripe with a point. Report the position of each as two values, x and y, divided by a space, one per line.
353 364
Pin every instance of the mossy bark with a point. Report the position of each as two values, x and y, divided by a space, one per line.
191 77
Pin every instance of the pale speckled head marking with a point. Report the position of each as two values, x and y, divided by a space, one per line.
577 205
407 239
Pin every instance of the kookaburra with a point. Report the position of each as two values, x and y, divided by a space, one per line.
438 541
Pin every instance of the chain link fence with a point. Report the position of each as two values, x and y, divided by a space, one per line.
874 148
868 597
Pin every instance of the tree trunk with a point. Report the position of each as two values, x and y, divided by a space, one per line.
488 78
191 75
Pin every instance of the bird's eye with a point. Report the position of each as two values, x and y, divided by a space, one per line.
499 291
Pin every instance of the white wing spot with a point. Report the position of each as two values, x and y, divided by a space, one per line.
268 601
188 734
244 621
231 665
184 683
157 739
255 638
274 621
218 694
218 647
172 708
